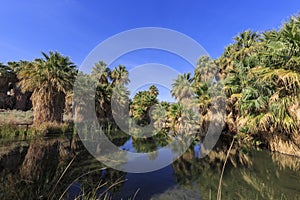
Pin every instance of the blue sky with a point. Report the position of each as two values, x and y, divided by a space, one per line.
75 27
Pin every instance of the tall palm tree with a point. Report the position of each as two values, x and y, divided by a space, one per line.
119 75
49 78
160 115
101 74
182 87
205 70
82 97
174 116
234 65
245 44
120 101
153 90
204 81
142 103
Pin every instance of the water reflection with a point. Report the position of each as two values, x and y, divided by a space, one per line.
33 169
147 154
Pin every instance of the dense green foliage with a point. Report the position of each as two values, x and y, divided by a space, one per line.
259 73
262 79
141 104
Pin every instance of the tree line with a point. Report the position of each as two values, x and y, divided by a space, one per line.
259 74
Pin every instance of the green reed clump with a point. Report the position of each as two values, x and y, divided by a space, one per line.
51 128
9 131
12 131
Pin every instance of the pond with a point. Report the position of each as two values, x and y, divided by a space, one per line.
61 167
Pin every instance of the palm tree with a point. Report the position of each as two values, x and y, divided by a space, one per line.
245 44
83 97
101 74
206 70
119 76
160 115
182 87
49 78
110 84
142 103
234 65
120 102
279 80
153 90
174 114
204 82
6 73
266 91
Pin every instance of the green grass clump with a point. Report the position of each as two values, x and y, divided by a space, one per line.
50 128
12 131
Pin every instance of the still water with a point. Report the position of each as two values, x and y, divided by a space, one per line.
53 168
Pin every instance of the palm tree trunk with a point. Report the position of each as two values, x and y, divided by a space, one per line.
46 107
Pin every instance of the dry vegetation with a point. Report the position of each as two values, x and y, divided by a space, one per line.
15 117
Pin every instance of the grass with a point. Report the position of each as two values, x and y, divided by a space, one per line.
12 131
16 117
51 128
89 194
17 124
13 123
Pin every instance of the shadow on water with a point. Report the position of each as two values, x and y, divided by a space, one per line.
32 170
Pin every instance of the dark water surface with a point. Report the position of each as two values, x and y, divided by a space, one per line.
33 169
